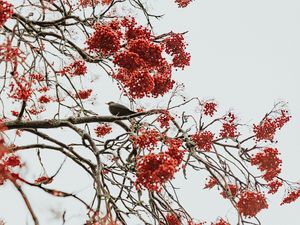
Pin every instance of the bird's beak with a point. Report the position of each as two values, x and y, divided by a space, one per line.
106 103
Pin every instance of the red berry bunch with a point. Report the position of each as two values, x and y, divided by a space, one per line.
220 222
269 162
251 203
274 186
176 47
84 94
183 3
267 128
174 149
77 68
133 31
229 127
173 219
6 11
203 140
86 3
11 54
21 89
209 108
147 139
154 170
44 99
43 180
211 183
291 197
106 39
141 68
7 163
164 119
231 191
103 130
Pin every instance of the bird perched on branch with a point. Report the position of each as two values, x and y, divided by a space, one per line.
117 109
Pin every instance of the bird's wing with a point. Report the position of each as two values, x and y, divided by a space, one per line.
121 106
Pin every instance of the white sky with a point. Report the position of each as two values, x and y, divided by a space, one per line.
246 55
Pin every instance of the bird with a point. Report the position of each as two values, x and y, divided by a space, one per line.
117 109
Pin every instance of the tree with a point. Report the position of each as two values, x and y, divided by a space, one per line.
48 51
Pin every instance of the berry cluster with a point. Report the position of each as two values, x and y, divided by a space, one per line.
83 94
274 185
43 180
173 219
220 222
7 162
269 162
6 11
183 3
229 127
267 128
164 119
138 56
209 108
106 39
291 197
176 47
103 130
154 170
77 68
92 3
21 89
174 149
211 183
231 191
11 54
147 139
251 203
203 140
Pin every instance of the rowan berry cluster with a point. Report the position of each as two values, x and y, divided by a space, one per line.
211 183
231 191
251 203
147 139
77 68
164 119
291 197
176 47
106 39
7 162
43 180
44 99
21 89
220 222
229 127
209 108
173 219
140 65
267 128
203 140
274 185
92 3
11 54
174 149
84 94
6 11
103 130
268 161
154 170
183 3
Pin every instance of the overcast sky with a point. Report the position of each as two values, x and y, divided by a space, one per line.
245 54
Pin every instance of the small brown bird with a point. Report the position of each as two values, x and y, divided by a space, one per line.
117 109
